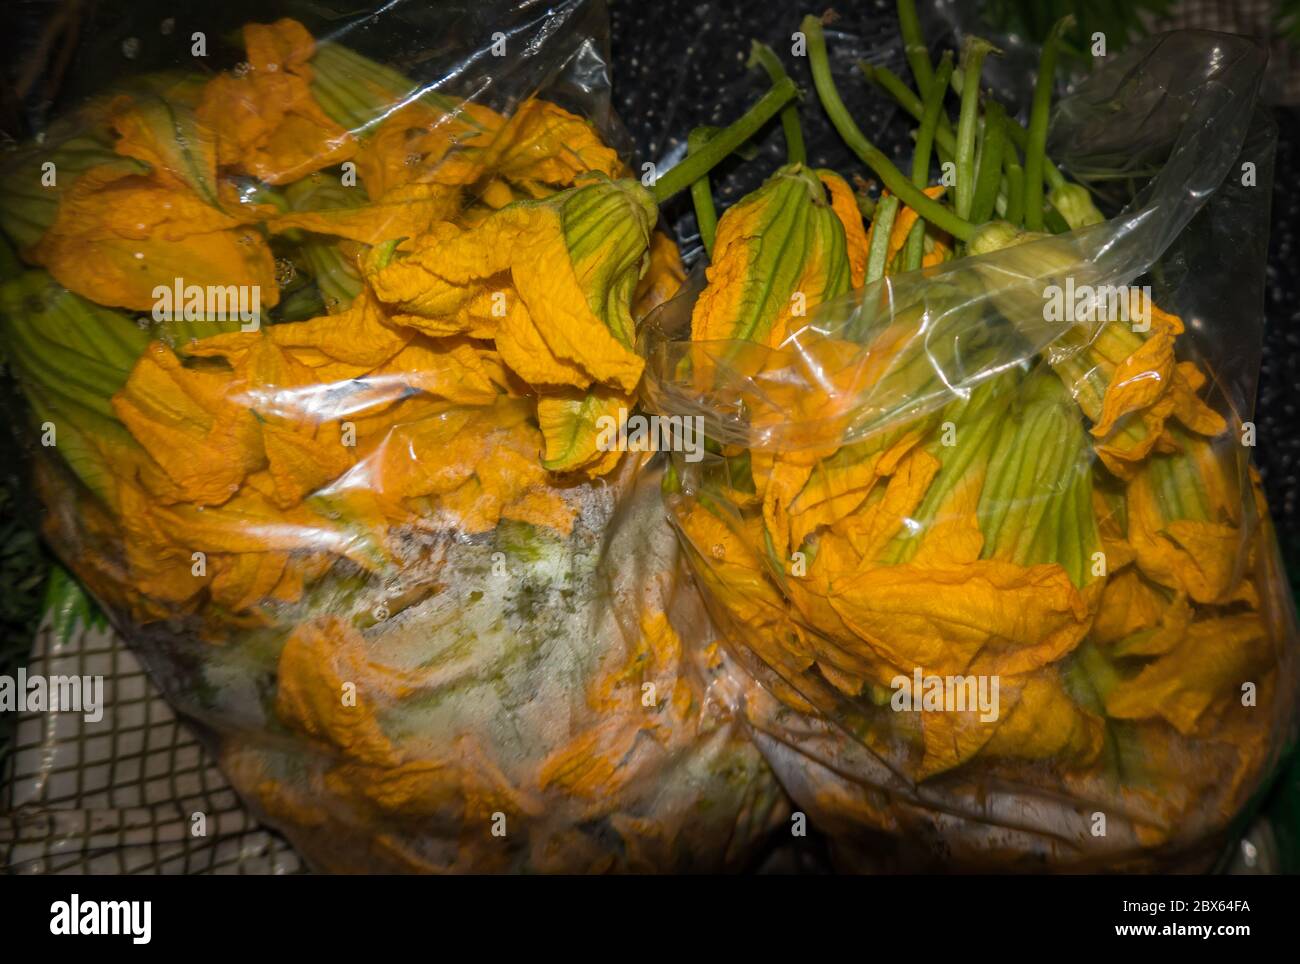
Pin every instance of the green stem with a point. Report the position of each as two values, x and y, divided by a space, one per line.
921 158
702 193
1054 220
893 178
1015 194
766 57
989 177
1010 159
727 140
888 81
882 226
914 252
974 50
1036 145
914 48
945 140
1018 136
928 130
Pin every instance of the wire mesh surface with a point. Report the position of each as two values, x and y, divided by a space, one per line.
134 792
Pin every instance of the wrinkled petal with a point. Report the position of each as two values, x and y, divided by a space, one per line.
779 252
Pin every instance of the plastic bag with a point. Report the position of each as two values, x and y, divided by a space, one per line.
547 718
353 533
987 533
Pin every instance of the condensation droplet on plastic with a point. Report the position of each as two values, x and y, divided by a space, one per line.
241 68
718 551
130 47
167 26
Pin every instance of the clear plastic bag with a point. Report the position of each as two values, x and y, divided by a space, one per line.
344 528
988 533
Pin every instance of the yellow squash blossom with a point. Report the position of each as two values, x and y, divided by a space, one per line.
118 236
473 467
552 280
542 148
1130 386
420 143
845 205
1208 666
30 203
1038 720
1186 526
206 442
779 252
403 212
264 120
573 425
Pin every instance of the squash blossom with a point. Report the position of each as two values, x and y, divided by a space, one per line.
122 229
264 120
779 251
549 281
